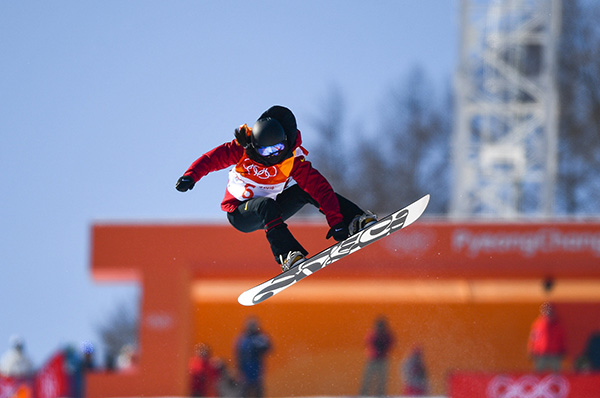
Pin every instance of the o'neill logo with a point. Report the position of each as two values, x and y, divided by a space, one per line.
528 386
264 173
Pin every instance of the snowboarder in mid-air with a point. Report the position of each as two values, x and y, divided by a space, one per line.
271 181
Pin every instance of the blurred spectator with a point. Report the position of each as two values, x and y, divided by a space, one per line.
227 386
414 374
204 373
546 345
589 361
110 360
14 362
251 348
127 359
87 349
74 371
379 341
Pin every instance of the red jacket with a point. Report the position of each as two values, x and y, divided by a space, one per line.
547 337
204 376
307 177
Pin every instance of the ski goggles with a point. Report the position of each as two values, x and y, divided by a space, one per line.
271 149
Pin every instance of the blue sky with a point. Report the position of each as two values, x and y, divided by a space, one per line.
104 104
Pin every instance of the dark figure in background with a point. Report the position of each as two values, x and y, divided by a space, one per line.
74 368
380 341
251 349
88 351
592 351
589 360
414 374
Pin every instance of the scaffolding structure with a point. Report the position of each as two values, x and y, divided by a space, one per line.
506 128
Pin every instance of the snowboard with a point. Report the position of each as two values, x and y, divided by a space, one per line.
382 228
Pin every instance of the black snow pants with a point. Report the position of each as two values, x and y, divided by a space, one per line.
270 215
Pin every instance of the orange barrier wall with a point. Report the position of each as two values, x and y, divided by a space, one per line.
319 347
191 275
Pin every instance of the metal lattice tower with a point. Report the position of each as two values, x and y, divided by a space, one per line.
505 135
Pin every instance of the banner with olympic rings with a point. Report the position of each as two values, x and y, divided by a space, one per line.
524 385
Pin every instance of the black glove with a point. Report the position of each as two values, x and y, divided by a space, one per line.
338 231
242 136
185 183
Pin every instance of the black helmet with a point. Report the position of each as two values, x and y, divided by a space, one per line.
286 118
269 140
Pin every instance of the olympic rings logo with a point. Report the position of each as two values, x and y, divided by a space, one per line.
529 386
264 173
